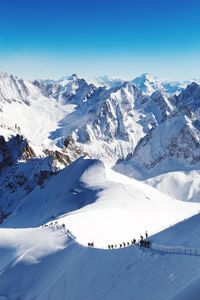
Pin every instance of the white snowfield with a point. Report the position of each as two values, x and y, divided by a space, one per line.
124 209
51 266
183 186
119 208
176 180
40 263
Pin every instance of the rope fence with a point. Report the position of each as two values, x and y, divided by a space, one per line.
176 249
153 246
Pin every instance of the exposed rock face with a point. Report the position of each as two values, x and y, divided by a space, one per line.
58 157
3 216
16 148
5 156
44 174
21 171
13 150
161 106
189 99
27 152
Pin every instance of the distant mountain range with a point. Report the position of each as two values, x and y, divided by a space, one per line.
143 128
145 82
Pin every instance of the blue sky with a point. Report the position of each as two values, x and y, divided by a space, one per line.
47 38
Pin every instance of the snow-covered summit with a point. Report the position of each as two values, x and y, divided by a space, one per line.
70 89
106 81
147 83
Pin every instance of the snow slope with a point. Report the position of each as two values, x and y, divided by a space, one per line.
64 269
182 185
88 193
24 110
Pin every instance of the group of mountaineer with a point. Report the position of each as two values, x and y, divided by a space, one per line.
142 242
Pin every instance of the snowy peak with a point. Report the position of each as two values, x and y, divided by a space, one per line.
70 77
176 138
146 77
69 89
14 89
189 99
106 81
109 113
66 79
116 118
147 83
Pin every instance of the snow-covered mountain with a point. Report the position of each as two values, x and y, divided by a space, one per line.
110 123
74 117
146 82
106 81
69 89
149 84
177 137
58 140
53 265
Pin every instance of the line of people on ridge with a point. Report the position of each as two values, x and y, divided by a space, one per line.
142 242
